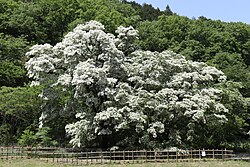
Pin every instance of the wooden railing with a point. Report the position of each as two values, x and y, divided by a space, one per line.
67 155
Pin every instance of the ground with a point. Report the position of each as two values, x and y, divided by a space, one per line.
39 163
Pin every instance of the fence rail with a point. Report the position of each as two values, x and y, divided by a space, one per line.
66 155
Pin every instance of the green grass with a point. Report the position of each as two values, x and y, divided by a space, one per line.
38 163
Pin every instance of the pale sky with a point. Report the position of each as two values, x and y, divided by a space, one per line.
224 10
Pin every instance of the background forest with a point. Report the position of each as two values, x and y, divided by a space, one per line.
24 23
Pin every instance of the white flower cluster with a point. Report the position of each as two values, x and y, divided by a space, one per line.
77 131
126 32
108 114
156 127
87 73
174 88
125 36
41 62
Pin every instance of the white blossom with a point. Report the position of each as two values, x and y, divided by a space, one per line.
64 79
156 127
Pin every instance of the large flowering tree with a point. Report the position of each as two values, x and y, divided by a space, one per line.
123 97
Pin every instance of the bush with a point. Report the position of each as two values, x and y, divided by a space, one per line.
40 138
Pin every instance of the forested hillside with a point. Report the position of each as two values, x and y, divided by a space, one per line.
225 46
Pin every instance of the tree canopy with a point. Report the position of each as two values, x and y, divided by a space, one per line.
151 97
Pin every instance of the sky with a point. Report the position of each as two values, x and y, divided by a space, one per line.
224 10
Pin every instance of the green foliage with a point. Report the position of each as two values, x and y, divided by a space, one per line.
237 128
6 135
12 75
110 13
40 138
45 21
43 138
168 11
203 36
232 64
6 9
164 33
12 49
147 11
28 138
19 108
40 21
229 64
238 146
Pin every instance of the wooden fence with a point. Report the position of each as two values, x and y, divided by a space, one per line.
67 155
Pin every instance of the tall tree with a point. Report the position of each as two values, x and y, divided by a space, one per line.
124 98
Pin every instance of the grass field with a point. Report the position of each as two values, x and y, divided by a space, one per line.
37 163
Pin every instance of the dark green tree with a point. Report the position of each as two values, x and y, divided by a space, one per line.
168 11
12 75
19 108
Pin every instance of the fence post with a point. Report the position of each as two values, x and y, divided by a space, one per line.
110 156
77 157
101 157
47 155
123 154
199 154
213 153
21 152
168 155
176 155
222 154
53 156
67 157
7 154
155 155
191 154
12 152
2 152
58 156
87 157
133 156
62 155
16 152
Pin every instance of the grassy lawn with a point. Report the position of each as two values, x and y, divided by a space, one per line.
38 163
